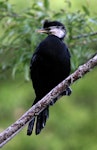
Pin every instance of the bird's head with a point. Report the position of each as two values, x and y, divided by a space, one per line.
54 28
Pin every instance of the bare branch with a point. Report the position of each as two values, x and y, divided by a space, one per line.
12 130
84 35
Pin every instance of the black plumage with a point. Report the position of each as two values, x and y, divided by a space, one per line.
50 64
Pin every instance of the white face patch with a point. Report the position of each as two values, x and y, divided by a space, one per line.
59 32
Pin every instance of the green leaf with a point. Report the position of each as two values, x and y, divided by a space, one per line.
26 72
14 71
86 10
46 4
68 2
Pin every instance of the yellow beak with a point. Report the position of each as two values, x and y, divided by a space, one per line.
42 31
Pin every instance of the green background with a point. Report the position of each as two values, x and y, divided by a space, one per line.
72 124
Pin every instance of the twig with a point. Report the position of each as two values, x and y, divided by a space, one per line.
84 35
12 130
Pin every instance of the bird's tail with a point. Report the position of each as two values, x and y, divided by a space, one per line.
40 122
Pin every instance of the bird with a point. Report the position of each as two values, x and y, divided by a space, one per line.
50 64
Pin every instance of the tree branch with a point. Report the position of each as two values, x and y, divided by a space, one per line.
84 35
12 130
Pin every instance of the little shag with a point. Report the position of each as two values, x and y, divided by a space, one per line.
50 64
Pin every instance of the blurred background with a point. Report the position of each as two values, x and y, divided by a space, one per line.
72 124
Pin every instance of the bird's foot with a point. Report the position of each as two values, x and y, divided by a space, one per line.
53 101
67 92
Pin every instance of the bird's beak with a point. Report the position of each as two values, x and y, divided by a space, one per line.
42 31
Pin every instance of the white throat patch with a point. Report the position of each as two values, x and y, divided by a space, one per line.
57 32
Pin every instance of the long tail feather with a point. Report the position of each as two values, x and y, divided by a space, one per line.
40 122
30 127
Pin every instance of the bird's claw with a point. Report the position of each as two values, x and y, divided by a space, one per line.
67 92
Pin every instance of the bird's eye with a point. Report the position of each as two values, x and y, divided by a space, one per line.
61 27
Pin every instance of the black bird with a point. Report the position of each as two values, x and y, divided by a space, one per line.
50 64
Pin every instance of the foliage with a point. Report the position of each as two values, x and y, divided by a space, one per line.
19 39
